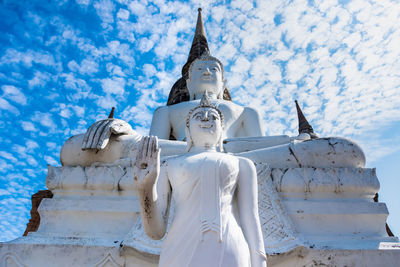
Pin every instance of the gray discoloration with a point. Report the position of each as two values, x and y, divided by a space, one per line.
292 153
147 206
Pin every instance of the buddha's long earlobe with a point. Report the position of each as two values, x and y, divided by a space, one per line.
189 142
221 93
191 96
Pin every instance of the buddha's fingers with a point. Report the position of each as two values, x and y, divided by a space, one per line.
147 146
87 139
102 136
140 152
156 149
153 146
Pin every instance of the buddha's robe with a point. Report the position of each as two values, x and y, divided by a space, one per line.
205 230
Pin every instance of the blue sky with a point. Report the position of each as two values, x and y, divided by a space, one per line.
64 64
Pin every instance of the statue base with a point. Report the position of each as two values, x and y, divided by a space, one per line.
309 216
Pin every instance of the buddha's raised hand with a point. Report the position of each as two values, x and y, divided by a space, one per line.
147 164
99 133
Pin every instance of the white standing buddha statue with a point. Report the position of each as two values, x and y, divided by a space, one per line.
216 219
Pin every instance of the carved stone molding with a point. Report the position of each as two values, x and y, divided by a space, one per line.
12 260
108 261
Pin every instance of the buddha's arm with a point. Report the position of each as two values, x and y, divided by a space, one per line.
243 144
153 188
160 125
248 211
252 122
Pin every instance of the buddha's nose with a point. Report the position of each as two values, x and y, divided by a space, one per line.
205 117
207 72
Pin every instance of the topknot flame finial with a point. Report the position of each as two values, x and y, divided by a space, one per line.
205 100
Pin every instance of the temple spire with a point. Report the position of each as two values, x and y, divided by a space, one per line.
304 126
199 25
199 44
179 91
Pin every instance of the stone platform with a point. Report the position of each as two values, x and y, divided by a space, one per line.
309 217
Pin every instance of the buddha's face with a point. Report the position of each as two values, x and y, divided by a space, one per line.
205 127
205 75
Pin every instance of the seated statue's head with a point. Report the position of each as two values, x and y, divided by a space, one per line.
205 126
206 74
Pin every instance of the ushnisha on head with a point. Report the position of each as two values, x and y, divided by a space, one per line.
206 74
205 126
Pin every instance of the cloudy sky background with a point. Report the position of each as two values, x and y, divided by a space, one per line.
64 64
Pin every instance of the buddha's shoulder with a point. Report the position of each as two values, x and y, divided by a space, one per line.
226 103
187 105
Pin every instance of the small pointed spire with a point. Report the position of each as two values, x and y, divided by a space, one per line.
205 100
304 126
111 113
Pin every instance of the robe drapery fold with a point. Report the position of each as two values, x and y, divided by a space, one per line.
205 228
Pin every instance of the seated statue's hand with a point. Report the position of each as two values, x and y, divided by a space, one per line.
98 134
147 164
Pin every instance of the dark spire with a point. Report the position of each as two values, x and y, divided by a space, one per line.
199 44
179 92
304 126
111 113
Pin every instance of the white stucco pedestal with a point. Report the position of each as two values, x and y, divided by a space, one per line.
309 217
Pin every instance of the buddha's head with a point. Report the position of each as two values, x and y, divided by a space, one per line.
205 126
206 74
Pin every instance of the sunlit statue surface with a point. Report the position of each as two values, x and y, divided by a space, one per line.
216 220
112 139
206 74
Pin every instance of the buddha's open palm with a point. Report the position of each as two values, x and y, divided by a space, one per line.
147 164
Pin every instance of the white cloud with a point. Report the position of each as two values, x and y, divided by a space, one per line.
45 119
13 93
138 8
114 70
28 126
145 44
39 79
31 144
80 87
123 14
83 2
149 70
88 66
29 57
8 156
113 85
105 9
8 107
51 161
125 30
121 51
106 102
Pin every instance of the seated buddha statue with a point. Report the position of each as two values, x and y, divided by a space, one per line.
113 139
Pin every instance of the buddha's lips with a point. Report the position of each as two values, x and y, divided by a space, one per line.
206 78
206 126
